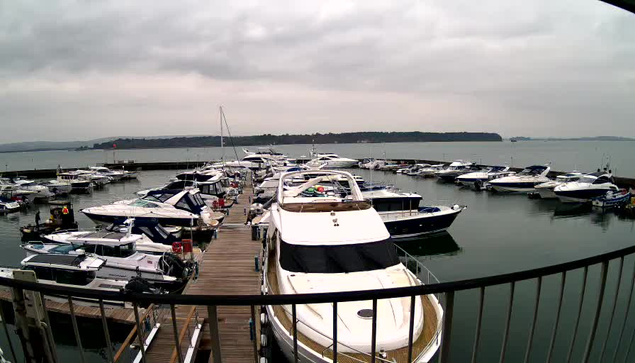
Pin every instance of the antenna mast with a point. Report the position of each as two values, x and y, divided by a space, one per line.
222 144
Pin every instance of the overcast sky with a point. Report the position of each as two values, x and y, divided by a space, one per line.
73 70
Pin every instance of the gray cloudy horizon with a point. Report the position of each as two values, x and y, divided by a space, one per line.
75 70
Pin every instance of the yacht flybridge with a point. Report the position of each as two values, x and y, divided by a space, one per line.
322 241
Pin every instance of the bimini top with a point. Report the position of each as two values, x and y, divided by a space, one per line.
66 262
311 191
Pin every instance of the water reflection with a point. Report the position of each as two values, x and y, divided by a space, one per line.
434 245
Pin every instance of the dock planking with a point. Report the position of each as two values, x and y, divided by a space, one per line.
227 267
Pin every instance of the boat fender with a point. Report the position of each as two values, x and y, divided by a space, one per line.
263 340
263 360
177 247
263 319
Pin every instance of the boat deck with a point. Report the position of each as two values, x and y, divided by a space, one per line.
426 338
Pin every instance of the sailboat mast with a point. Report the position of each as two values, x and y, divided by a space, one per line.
222 144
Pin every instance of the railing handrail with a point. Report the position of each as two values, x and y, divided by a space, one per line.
316 298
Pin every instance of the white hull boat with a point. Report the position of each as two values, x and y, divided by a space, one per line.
320 244
589 187
523 182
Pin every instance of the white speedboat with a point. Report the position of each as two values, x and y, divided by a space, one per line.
330 160
58 187
115 175
171 208
429 171
523 182
588 187
545 190
149 238
40 192
331 243
76 271
123 261
80 182
481 177
456 168
416 169
405 218
8 206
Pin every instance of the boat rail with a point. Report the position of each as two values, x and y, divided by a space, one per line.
622 285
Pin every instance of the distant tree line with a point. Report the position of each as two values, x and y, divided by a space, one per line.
269 139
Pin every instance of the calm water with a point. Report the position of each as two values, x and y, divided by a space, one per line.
564 155
496 234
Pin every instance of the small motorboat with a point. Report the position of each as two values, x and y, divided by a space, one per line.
545 190
75 270
80 183
453 170
8 206
479 178
122 260
62 218
613 199
523 182
588 187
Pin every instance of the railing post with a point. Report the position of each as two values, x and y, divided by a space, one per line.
628 308
177 342
411 326
335 318
479 318
294 326
617 293
557 322
447 327
373 337
78 339
6 332
142 348
214 333
104 324
596 317
255 322
577 320
508 321
533 320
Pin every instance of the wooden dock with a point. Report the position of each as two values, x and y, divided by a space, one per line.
226 267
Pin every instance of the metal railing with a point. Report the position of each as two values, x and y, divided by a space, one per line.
447 290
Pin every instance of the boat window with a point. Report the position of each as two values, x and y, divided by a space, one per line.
42 273
338 258
74 277
182 204
116 251
90 248
147 231
587 179
602 180
144 203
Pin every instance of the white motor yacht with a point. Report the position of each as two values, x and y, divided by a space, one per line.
8 206
172 208
588 187
523 182
330 160
123 260
481 177
70 270
545 190
456 168
116 175
429 171
58 187
80 182
334 243
41 192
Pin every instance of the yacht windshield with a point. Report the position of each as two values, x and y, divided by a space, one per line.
338 258
587 179
144 204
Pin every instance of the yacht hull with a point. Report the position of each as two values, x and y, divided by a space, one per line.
513 187
101 218
403 225
579 196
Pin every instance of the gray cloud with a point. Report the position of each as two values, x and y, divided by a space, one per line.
96 68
